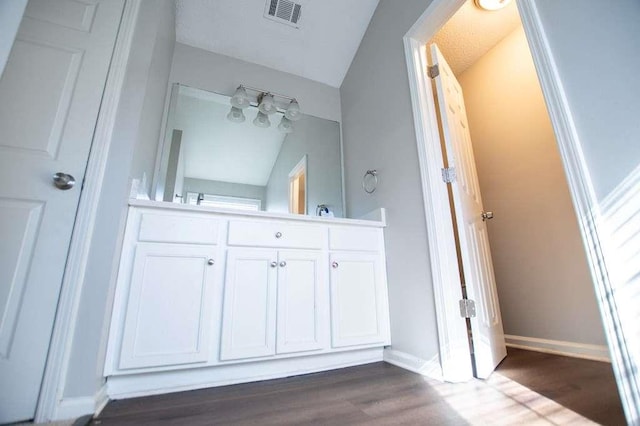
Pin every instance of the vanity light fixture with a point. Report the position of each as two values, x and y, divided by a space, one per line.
293 111
492 5
262 120
246 96
285 126
236 115
240 98
266 104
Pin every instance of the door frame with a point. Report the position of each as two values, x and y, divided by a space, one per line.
51 402
454 356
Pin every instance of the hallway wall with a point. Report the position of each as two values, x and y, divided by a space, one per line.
542 276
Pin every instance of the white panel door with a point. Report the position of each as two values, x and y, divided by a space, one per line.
301 302
50 93
357 299
168 315
486 327
249 308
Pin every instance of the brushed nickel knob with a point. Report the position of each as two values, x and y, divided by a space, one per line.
211 262
274 264
283 264
334 265
278 234
63 181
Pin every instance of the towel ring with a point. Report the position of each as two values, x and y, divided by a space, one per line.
370 181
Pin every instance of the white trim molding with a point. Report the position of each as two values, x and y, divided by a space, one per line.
51 405
559 347
428 368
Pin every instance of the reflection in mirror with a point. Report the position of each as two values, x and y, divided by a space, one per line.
212 157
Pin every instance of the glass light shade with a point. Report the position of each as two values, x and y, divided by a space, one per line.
267 104
240 99
293 111
262 120
236 115
285 126
492 4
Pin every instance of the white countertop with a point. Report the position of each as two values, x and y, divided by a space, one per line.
378 217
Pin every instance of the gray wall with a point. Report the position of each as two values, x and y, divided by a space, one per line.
378 132
320 141
11 12
215 187
222 74
595 46
537 252
136 132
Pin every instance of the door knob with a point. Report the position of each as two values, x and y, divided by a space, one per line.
63 181
278 234
486 216
334 265
274 264
210 262
283 264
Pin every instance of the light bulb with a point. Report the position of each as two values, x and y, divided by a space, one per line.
262 120
293 111
492 4
285 126
267 104
240 99
236 115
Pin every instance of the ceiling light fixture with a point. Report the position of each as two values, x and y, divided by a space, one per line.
492 5
268 103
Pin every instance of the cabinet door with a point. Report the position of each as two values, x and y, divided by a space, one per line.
168 313
248 314
357 299
301 289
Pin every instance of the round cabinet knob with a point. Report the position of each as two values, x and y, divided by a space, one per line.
334 265
210 262
283 264
278 234
274 264
63 181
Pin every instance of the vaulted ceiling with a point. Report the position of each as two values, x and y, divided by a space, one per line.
321 49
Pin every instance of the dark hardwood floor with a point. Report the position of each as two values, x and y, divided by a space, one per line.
527 388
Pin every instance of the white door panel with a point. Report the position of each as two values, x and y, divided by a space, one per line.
249 309
486 327
300 299
50 94
169 308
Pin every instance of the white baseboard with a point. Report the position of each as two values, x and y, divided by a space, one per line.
72 408
101 399
134 385
559 347
429 368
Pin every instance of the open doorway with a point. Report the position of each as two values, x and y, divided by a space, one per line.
298 187
542 276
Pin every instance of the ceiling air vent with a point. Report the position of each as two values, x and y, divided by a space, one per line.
283 11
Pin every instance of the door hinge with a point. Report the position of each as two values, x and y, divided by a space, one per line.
467 308
449 174
433 71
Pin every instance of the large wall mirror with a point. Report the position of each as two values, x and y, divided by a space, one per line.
208 159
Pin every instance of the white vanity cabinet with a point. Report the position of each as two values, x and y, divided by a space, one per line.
208 297
273 303
359 307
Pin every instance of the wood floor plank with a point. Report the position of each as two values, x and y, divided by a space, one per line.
527 388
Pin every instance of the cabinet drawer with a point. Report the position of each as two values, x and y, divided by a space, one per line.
178 228
274 234
355 239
